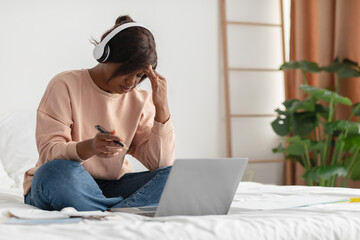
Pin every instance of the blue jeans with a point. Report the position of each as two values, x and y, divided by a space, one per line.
64 183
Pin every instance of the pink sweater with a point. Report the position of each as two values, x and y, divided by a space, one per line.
73 104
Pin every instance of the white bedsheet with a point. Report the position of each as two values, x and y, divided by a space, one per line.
326 221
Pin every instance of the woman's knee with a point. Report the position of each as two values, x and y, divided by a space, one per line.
57 171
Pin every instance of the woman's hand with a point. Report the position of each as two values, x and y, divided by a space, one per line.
102 145
159 94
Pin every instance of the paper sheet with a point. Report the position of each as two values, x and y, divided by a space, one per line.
284 202
36 214
63 214
15 220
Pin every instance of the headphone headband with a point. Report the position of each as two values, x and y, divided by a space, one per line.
102 50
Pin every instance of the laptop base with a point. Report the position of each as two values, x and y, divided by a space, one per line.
143 211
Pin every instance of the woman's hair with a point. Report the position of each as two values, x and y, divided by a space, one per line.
133 47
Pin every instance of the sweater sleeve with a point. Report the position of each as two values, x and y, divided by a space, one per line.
154 143
54 123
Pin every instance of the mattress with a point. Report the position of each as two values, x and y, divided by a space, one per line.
315 221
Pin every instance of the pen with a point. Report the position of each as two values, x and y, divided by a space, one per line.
102 130
349 200
354 199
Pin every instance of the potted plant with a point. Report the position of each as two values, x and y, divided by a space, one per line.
328 149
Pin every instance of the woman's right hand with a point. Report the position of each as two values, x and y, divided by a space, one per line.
103 145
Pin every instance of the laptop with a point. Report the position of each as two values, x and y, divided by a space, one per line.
197 187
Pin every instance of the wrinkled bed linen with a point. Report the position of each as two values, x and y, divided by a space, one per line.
323 221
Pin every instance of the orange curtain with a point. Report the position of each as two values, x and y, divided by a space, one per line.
322 30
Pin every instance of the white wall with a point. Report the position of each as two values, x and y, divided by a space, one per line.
40 38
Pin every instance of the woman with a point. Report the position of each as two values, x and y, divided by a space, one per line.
82 168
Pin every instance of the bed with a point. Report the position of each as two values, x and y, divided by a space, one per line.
250 216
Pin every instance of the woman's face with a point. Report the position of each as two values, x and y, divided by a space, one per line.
120 84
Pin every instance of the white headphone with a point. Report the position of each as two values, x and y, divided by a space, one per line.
102 50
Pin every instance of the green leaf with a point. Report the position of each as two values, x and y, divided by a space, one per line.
341 125
353 149
326 95
297 139
296 146
349 146
311 174
344 69
308 66
334 66
289 103
355 174
290 65
355 110
348 73
324 172
333 170
281 126
316 146
350 62
307 105
303 123
322 110
350 70
280 112
295 149
352 141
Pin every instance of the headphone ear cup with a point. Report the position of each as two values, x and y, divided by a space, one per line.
105 55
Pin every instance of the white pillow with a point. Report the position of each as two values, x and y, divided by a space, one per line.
18 150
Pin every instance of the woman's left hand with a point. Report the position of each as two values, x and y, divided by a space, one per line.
159 94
